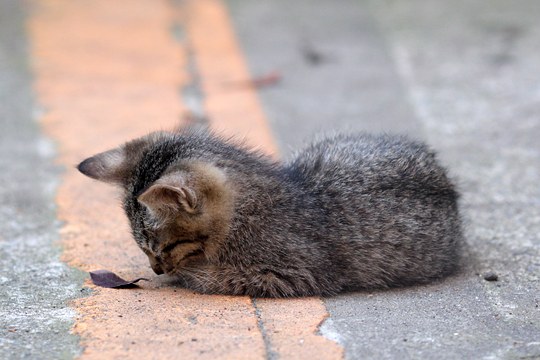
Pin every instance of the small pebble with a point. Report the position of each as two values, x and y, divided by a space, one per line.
491 276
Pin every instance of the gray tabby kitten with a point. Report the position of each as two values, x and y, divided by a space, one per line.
349 212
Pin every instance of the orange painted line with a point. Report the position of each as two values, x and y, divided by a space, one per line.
232 110
291 325
108 71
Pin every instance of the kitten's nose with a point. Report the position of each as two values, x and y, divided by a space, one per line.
157 269
155 264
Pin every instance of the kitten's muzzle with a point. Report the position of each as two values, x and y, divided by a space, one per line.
156 265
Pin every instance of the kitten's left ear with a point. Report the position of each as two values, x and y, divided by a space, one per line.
108 166
169 195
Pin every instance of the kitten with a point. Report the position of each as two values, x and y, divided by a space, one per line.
349 212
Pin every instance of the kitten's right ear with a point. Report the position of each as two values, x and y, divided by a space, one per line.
108 166
166 198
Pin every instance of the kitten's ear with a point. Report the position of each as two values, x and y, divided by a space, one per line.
108 166
168 197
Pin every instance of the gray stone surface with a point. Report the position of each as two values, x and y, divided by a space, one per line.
35 286
352 86
463 76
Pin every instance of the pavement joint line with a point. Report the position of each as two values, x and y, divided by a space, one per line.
271 354
290 325
191 92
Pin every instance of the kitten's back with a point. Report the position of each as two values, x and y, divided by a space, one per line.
377 162
392 207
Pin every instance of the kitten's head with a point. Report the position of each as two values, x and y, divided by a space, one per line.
178 201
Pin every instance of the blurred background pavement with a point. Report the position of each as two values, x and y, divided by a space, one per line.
462 76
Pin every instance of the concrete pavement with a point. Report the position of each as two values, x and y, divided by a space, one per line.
460 75
34 283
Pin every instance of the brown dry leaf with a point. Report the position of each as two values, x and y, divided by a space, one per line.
108 279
